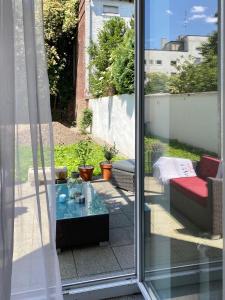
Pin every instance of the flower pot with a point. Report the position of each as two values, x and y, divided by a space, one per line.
61 173
106 170
86 172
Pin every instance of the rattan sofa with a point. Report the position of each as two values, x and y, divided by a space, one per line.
123 175
205 211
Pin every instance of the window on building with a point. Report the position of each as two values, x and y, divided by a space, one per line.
173 62
151 61
158 62
109 9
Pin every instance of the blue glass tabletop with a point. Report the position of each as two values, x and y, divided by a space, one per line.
67 208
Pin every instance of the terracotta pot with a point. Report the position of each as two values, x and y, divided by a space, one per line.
106 170
61 173
86 172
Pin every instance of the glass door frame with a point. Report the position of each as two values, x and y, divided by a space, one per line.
139 167
139 96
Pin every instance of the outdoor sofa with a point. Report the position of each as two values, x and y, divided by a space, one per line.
123 174
200 198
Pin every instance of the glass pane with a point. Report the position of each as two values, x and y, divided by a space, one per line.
94 162
183 183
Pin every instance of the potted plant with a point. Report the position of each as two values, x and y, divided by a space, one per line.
106 166
84 151
86 120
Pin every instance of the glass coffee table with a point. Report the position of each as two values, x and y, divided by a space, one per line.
79 224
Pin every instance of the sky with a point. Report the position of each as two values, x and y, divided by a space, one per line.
170 18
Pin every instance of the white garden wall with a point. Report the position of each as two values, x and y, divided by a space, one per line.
190 118
114 121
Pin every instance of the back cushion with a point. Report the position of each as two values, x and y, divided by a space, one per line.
208 166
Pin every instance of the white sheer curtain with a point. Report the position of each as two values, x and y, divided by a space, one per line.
28 261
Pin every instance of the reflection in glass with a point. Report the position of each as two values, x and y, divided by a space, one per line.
183 178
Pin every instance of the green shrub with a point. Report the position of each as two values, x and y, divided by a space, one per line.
109 38
202 77
67 155
83 151
60 19
123 63
86 119
156 83
110 152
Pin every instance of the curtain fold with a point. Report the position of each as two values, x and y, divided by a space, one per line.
7 139
29 266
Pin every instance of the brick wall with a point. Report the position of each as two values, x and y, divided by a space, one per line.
80 68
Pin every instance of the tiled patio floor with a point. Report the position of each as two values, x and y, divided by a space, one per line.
173 241
114 257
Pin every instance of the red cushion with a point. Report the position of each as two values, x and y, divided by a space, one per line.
208 166
193 187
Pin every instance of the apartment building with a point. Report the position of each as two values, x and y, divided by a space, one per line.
173 53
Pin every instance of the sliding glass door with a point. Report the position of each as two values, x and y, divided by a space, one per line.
181 150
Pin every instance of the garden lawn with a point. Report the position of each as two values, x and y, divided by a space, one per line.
66 156
174 148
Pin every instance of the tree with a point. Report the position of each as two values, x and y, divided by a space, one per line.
202 77
123 63
109 38
60 20
210 48
156 83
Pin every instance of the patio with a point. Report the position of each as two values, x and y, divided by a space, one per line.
174 241
114 257
177 242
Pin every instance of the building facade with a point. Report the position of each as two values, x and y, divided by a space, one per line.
92 15
173 53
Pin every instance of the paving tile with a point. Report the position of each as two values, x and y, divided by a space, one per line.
118 220
95 260
67 265
130 217
114 207
128 209
125 256
121 236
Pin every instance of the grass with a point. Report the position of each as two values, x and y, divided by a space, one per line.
173 148
24 161
66 156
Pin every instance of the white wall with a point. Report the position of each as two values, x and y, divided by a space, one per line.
114 121
192 119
